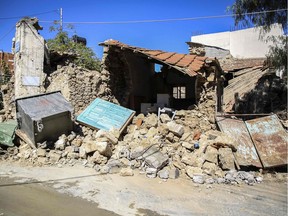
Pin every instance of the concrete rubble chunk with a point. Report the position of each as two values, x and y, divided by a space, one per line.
209 168
191 171
211 154
41 152
102 147
176 129
174 173
165 118
226 159
154 158
126 172
151 172
163 174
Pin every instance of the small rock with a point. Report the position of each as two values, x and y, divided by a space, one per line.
151 172
163 174
199 179
126 172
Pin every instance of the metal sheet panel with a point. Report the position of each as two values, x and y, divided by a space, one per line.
246 154
270 140
101 114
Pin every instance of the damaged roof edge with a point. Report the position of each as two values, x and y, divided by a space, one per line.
190 64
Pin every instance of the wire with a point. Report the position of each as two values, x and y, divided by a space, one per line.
13 27
169 20
3 18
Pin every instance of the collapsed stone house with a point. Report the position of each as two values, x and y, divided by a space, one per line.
138 85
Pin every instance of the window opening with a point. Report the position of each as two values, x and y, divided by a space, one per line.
179 92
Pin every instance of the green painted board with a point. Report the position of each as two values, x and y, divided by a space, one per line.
7 132
101 114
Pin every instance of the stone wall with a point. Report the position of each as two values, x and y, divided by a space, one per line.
80 86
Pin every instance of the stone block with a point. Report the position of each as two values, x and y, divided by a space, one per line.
211 154
176 129
226 159
154 158
126 172
163 174
41 152
191 171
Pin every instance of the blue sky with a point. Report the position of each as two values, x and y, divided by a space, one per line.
167 36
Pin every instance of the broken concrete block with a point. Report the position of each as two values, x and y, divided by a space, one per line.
107 134
199 179
54 157
97 158
82 153
211 154
154 158
189 146
176 129
191 171
163 174
165 118
209 168
226 159
41 152
151 172
102 147
73 155
151 120
126 172
61 143
174 173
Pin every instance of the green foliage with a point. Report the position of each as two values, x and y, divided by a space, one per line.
63 43
245 13
5 73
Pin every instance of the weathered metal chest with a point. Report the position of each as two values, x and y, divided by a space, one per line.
44 117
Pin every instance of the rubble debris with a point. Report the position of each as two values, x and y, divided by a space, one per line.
101 114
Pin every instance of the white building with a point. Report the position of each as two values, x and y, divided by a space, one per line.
242 43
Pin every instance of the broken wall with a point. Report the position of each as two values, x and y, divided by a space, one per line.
29 51
80 86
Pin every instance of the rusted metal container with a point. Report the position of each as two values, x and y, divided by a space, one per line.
44 117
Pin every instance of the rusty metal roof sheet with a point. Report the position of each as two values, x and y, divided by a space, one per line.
241 84
246 154
270 140
186 63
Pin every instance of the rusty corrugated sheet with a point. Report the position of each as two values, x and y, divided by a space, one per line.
270 140
246 154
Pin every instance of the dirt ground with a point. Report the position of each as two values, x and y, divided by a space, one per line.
80 191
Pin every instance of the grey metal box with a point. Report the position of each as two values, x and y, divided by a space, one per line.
44 117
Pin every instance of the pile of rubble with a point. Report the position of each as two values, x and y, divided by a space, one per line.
187 146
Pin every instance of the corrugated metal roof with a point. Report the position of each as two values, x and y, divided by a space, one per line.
241 84
186 63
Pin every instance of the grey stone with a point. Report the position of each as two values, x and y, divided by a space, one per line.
209 181
174 173
199 179
151 172
155 159
220 180
163 174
